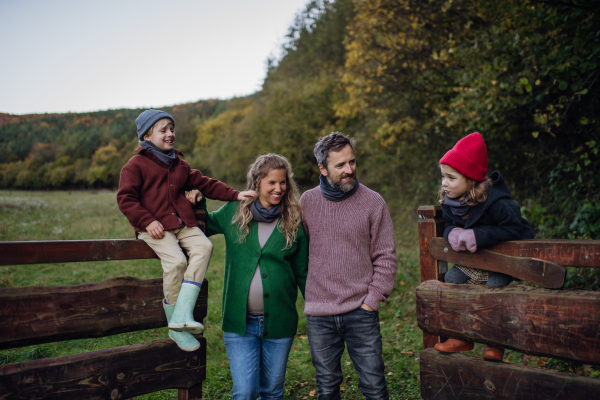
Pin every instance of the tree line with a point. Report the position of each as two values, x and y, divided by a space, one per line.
407 79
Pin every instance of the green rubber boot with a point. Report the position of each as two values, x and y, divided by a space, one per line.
184 340
183 318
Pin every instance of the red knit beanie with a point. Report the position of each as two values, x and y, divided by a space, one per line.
469 157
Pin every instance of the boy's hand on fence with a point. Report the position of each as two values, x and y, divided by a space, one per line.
155 230
453 239
467 239
248 194
194 196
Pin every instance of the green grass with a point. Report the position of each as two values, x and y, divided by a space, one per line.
94 215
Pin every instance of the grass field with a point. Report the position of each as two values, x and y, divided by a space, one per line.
94 215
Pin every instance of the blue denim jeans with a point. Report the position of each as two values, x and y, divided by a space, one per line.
257 365
359 331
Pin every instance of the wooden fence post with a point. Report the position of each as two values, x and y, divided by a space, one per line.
430 226
193 393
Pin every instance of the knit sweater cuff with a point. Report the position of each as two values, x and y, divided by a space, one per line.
372 300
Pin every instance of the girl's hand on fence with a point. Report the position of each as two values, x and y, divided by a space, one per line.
194 196
156 230
248 194
453 239
467 239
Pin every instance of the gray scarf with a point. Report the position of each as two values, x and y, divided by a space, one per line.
457 208
167 158
333 194
261 214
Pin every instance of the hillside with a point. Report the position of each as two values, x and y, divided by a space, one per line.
407 79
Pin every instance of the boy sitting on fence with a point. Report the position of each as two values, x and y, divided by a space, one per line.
152 197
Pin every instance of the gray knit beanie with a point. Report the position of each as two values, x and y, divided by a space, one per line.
148 118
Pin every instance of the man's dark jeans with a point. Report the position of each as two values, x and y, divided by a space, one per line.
359 330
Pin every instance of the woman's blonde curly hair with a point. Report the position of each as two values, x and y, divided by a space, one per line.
291 215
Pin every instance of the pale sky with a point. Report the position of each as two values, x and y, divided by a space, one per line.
84 55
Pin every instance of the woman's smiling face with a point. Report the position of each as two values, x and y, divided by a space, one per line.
454 183
272 188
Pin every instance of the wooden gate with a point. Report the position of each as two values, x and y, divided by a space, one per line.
562 324
35 315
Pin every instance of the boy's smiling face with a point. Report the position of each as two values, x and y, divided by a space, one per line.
162 134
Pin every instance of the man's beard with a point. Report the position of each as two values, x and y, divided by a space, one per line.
343 187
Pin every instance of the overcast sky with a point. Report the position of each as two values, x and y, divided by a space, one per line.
84 55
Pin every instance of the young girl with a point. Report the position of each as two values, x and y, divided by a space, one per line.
477 212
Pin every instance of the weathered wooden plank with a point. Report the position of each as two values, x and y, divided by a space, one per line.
458 376
35 315
200 218
575 253
430 226
562 324
117 373
61 251
539 272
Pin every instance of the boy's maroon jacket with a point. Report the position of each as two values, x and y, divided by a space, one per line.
150 191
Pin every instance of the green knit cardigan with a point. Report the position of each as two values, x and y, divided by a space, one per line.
282 273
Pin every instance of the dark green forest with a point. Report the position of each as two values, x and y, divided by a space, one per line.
407 79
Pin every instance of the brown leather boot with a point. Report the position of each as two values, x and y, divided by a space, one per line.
492 353
454 346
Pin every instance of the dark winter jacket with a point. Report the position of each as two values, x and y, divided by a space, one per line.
496 220
150 191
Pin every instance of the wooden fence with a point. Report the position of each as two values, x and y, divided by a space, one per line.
35 315
562 324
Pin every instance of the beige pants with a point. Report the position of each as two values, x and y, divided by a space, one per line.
176 268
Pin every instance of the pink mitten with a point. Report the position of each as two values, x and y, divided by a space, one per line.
467 239
453 239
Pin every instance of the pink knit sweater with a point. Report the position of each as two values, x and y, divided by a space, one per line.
352 252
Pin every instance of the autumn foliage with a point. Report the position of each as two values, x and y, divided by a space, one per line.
407 79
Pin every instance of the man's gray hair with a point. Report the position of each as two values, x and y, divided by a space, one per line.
335 141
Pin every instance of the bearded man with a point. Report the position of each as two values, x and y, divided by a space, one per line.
352 268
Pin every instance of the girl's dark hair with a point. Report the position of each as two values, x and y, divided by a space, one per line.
475 194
